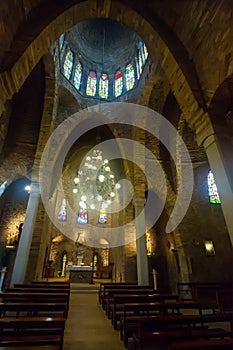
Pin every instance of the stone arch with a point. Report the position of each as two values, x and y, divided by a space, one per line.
151 30
220 109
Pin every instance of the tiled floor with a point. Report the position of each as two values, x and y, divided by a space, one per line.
87 327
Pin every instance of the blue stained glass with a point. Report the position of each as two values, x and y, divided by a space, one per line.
102 217
118 84
82 216
103 86
62 216
68 64
212 189
129 77
91 84
78 76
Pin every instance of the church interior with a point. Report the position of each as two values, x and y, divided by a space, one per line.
106 106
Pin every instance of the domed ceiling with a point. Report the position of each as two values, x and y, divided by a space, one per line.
101 58
103 42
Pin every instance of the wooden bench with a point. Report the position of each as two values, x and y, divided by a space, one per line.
203 344
224 300
152 329
108 298
42 285
37 290
105 285
121 290
35 297
33 309
31 347
116 308
129 321
26 331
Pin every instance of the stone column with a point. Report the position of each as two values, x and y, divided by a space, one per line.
215 156
21 260
218 163
142 260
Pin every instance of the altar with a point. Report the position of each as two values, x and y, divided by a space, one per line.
80 274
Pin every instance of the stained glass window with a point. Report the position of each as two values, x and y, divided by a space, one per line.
68 64
140 62
102 217
62 216
143 51
78 76
82 216
103 86
129 77
212 189
118 84
91 84
61 41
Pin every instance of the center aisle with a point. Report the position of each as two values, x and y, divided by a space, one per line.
87 326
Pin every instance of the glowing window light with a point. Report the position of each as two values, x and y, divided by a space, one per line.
62 216
78 76
68 64
103 86
118 84
129 77
82 216
212 189
91 84
102 217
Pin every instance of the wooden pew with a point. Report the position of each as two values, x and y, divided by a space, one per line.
204 344
116 309
200 290
106 285
25 331
31 347
224 300
37 290
42 285
35 297
133 311
33 309
50 282
108 296
152 329
108 288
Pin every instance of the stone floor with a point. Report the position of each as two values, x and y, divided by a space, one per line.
87 327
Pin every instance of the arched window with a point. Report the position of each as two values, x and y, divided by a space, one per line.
129 77
61 41
82 216
103 86
144 52
140 62
118 84
91 84
102 217
68 64
212 189
78 76
62 216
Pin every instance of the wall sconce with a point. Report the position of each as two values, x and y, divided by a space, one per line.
209 247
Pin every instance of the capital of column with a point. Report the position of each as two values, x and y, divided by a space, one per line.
139 202
34 189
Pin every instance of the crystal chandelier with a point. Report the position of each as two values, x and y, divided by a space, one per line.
94 182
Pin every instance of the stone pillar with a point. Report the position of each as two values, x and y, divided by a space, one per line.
215 155
142 260
21 260
218 163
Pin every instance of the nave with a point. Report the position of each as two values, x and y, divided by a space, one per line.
87 327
